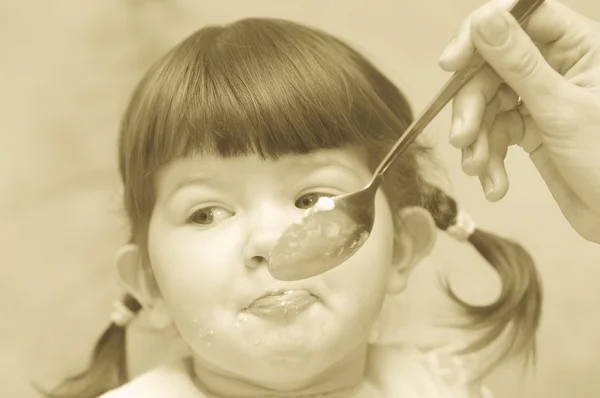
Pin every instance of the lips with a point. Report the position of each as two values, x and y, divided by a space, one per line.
282 302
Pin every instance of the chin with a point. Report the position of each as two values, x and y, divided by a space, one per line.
286 376
306 358
286 354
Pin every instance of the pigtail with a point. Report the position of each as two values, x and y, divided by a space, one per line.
517 311
108 365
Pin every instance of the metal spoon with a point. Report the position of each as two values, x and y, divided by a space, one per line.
335 228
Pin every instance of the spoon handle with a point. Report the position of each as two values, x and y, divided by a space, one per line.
521 10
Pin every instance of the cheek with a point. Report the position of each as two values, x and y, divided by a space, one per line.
362 280
192 271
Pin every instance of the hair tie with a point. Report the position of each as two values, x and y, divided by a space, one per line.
463 227
121 315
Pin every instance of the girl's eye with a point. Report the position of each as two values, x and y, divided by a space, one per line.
310 199
209 215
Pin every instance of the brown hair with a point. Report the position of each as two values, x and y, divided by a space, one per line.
273 87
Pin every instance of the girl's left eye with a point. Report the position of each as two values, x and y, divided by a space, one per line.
310 199
208 216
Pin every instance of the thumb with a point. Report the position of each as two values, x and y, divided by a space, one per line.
500 39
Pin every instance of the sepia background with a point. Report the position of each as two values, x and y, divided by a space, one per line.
66 72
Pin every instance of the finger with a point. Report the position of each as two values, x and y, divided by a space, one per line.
506 131
549 23
519 129
494 180
562 55
523 110
476 156
459 51
552 21
469 106
507 99
531 134
507 48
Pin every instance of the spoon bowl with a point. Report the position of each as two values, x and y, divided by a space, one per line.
329 233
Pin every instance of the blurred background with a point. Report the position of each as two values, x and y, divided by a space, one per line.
67 70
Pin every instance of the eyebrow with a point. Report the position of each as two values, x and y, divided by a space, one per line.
319 162
204 178
192 179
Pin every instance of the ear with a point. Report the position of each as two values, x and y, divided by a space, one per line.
139 281
415 239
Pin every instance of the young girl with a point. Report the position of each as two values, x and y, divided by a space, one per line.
227 140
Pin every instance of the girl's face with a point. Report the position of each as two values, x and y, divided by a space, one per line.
213 225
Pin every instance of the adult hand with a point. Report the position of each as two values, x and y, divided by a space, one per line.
553 64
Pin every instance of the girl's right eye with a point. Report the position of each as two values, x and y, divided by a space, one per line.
309 200
208 216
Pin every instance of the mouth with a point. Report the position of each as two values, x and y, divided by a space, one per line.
282 302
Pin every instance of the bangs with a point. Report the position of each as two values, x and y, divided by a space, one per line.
266 87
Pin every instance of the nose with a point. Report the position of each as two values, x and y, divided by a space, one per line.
265 225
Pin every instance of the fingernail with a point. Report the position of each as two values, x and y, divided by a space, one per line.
448 50
493 28
488 185
455 129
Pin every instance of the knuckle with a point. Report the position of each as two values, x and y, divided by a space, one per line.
526 64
